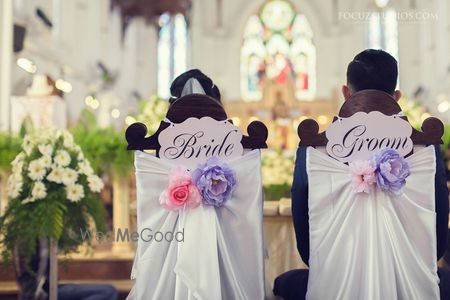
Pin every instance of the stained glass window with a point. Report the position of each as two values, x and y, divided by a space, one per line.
383 30
172 49
278 46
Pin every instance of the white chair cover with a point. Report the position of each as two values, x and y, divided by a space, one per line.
371 246
221 256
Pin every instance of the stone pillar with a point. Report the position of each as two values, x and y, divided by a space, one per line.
6 55
121 211
147 62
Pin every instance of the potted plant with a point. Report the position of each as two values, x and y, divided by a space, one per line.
53 193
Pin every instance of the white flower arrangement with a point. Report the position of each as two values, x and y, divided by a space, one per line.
53 192
49 162
277 173
277 167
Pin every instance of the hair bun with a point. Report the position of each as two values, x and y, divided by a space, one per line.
207 84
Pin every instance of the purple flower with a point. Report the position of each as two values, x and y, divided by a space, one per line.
391 170
215 181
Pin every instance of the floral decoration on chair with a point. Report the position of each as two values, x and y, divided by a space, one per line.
387 169
212 183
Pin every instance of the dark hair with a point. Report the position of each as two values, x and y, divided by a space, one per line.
207 84
373 69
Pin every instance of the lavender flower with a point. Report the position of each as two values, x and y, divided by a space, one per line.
391 170
215 181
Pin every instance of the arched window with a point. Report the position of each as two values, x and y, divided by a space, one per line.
172 49
278 46
383 29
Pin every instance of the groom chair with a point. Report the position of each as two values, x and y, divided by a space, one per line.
375 246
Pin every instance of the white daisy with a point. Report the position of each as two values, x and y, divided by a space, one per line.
17 167
46 150
56 175
18 159
68 140
95 183
27 144
36 170
80 156
47 161
69 176
39 191
28 200
76 148
85 168
74 192
14 186
62 158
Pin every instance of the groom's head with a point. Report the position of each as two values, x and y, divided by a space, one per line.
372 69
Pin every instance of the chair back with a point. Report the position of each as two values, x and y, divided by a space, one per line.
378 243
204 251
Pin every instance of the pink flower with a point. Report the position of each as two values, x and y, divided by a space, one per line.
181 191
363 175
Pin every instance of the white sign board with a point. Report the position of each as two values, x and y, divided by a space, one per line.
363 134
193 141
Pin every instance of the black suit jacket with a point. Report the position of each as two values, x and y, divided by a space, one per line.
300 204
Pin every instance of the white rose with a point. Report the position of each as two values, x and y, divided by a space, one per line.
69 176
39 191
95 183
62 158
36 170
56 175
74 192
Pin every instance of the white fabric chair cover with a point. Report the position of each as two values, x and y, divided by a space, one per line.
371 246
221 256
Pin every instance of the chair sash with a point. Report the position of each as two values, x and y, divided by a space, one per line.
221 255
371 246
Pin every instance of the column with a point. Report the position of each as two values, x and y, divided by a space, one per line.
6 56
121 211
147 64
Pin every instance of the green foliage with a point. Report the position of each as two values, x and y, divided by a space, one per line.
152 112
414 111
105 148
277 171
277 191
446 137
9 148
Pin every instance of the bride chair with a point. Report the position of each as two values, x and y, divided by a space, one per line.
207 252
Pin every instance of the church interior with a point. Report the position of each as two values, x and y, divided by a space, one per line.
96 67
